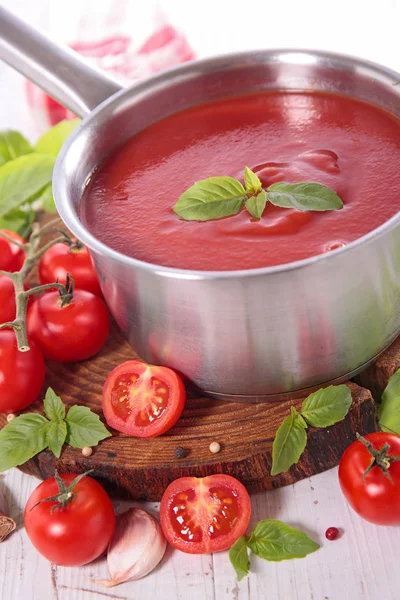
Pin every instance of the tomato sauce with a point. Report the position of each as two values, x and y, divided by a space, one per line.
343 143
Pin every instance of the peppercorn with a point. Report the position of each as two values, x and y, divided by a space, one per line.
10 417
180 452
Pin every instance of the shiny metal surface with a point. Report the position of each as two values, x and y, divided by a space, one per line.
257 334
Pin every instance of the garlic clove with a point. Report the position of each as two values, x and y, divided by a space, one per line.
7 525
136 547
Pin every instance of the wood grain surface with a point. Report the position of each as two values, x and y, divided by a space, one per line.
142 468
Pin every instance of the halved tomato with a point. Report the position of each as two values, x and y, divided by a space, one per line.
143 400
200 515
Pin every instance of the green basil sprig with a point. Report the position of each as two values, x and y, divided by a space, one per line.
320 409
27 435
218 197
25 175
271 540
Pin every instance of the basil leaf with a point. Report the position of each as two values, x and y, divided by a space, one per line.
53 406
21 439
56 435
18 220
22 179
275 541
239 557
52 141
303 196
327 406
289 443
84 427
251 181
256 204
211 198
389 410
46 200
12 145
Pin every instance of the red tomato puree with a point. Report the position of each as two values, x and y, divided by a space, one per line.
345 144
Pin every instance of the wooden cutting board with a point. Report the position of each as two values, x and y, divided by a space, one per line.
142 468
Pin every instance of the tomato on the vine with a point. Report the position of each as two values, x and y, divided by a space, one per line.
7 299
143 400
21 373
60 260
75 531
370 478
201 515
11 256
72 332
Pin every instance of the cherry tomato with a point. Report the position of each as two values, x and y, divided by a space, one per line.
7 299
201 515
72 332
76 534
374 497
11 256
21 373
143 400
60 259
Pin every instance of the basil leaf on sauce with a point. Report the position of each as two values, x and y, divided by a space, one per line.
327 406
256 204
289 443
304 196
211 198
251 181
275 541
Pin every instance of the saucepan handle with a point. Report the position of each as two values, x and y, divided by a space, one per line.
57 69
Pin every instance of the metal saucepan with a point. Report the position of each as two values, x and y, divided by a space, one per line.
246 335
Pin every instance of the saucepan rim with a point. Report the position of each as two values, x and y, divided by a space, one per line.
71 219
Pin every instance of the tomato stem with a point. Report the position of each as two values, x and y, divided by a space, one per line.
65 495
32 254
380 457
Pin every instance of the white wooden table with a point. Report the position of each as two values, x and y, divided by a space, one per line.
363 562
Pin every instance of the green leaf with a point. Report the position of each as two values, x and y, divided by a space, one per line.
53 406
303 196
275 541
211 198
256 204
21 439
18 220
239 557
56 435
251 181
84 427
389 411
289 443
22 179
46 200
52 141
327 406
12 145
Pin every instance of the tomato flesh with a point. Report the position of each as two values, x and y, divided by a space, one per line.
200 515
143 400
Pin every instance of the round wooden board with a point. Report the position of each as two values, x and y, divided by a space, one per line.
142 468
